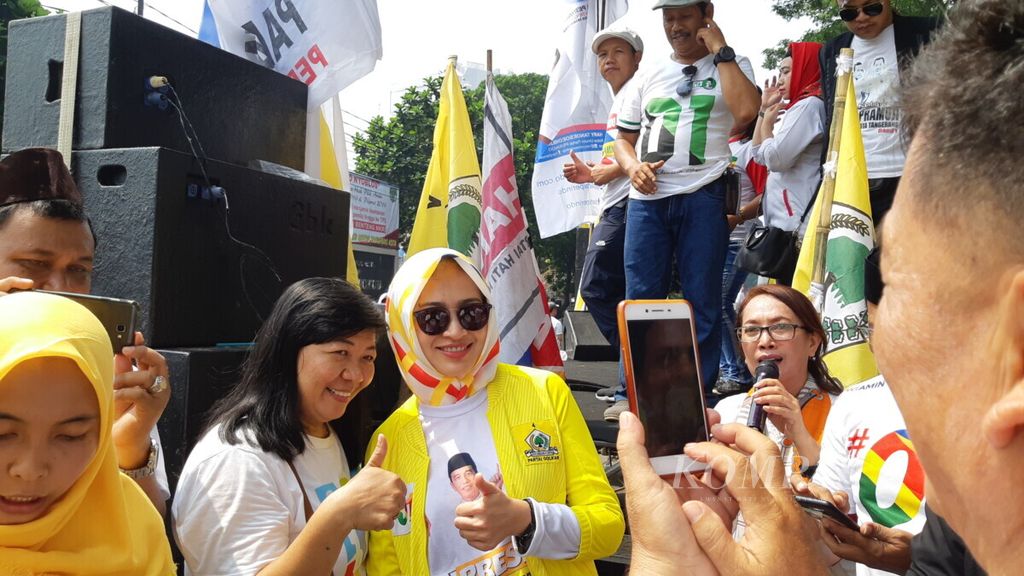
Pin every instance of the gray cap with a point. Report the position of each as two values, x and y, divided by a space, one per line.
631 38
675 3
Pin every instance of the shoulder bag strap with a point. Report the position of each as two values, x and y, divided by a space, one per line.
307 507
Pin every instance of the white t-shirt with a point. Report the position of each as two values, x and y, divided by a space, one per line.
691 133
460 435
237 508
876 77
618 189
742 156
161 469
866 453
793 158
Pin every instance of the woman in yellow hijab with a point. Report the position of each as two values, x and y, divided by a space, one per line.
65 508
501 473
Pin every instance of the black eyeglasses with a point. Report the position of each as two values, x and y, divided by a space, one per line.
436 319
850 14
781 331
685 86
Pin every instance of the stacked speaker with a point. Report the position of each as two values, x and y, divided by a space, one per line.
205 275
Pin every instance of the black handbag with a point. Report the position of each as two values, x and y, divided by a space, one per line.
772 252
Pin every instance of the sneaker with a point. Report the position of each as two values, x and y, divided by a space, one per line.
613 411
606 394
728 387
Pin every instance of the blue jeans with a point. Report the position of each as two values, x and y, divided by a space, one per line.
692 229
731 367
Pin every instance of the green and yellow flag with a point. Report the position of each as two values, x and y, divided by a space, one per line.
449 209
851 236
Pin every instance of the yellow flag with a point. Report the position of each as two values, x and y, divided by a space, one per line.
851 236
449 209
330 172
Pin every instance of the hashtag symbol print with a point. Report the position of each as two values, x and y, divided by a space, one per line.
857 442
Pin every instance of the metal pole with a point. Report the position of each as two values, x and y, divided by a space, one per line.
142 4
489 53
828 185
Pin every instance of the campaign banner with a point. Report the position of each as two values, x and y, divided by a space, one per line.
327 45
374 210
574 119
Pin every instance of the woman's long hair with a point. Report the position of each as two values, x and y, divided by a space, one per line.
808 317
265 402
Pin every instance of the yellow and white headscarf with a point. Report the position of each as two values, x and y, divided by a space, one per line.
104 524
429 385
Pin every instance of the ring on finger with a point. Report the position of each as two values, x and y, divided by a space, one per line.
158 386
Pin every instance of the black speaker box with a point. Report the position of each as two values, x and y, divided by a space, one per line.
584 340
164 241
241 110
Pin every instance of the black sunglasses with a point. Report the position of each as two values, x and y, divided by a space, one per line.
436 319
685 86
850 14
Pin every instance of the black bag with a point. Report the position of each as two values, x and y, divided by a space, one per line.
772 252
769 251
732 192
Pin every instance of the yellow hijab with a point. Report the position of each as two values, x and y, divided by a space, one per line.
104 524
426 382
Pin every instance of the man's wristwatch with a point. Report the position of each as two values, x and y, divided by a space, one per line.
150 466
523 541
725 54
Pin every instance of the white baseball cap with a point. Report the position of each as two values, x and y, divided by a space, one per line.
631 38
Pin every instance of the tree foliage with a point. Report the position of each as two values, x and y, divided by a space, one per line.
12 10
398 151
825 22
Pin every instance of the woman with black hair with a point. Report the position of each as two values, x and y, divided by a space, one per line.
267 489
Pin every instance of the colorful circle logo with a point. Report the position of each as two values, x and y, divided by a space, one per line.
907 503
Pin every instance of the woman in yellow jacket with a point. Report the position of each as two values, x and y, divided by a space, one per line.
501 472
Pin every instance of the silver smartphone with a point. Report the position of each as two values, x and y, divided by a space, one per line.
119 317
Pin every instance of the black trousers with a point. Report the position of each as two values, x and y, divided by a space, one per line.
882 192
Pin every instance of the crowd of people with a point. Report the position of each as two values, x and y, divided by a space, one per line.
489 468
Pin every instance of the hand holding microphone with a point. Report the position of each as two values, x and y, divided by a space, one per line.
756 418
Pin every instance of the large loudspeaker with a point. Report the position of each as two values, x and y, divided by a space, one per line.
240 110
163 241
584 340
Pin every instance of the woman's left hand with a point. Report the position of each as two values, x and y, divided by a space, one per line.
782 408
487 521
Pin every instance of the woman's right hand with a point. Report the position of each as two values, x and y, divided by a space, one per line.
373 497
771 95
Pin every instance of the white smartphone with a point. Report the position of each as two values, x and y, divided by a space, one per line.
662 363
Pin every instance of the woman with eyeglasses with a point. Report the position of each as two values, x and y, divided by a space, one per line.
502 474
789 136
778 324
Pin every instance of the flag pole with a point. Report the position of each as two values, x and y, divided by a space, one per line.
828 185
489 55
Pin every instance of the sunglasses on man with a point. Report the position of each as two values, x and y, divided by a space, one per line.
871 10
685 86
436 319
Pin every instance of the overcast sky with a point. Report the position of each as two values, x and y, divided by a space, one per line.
419 36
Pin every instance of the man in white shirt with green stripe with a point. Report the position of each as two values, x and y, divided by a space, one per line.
673 142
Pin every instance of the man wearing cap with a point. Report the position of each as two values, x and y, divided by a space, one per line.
673 142
47 243
883 44
603 284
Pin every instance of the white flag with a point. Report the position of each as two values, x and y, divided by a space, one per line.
327 45
507 259
575 118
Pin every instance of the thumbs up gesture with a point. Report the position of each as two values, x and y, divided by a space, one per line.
487 521
374 496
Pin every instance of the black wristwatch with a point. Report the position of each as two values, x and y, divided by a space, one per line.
523 541
725 54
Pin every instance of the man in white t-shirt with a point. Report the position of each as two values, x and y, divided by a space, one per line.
603 283
883 42
673 142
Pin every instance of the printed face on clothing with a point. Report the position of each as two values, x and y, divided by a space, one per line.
617 61
865 25
785 76
790 355
330 375
681 26
55 254
49 431
940 278
453 352
462 482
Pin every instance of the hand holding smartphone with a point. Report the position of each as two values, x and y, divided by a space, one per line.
659 351
824 509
